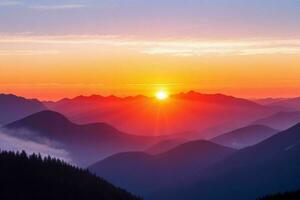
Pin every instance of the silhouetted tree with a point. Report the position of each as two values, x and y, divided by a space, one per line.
284 196
24 177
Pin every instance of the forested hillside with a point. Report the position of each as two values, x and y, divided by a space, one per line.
284 196
34 178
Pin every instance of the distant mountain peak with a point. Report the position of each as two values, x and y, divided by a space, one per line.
214 98
49 116
16 97
45 118
14 107
150 171
86 142
96 98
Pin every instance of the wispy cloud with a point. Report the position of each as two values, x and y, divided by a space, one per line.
174 47
10 3
224 49
28 52
58 7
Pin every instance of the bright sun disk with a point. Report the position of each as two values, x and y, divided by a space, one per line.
161 95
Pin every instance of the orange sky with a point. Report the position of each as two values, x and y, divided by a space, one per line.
52 49
53 67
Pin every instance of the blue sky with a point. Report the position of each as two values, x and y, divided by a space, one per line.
155 18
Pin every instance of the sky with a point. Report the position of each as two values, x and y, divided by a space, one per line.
50 49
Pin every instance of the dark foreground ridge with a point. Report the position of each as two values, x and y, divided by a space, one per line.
284 196
34 178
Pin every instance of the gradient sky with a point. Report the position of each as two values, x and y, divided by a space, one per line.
55 48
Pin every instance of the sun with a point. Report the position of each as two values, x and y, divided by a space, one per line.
162 95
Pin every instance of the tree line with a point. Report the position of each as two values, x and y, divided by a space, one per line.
33 177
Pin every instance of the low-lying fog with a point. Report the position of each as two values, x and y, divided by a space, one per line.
44 147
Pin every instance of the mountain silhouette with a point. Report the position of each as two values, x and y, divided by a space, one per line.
87 141
141 173
147 116
246 136
34 178
280 120
269 167
13 107
215 99
56 126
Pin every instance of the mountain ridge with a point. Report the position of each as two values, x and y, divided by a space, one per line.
265 168
95 139
202 111
280 120
152 171
245 136
16 107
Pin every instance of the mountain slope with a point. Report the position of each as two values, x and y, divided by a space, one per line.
280 120
268 101
141 173
56 126
33 178
246 136
291 103
87 143
164 146
13 108
269 167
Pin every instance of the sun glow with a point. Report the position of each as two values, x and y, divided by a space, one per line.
162 95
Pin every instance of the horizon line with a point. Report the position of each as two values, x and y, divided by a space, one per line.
144 96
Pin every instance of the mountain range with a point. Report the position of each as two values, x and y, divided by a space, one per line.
148 116
163 157
150 172
86 142
197 169
266 168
